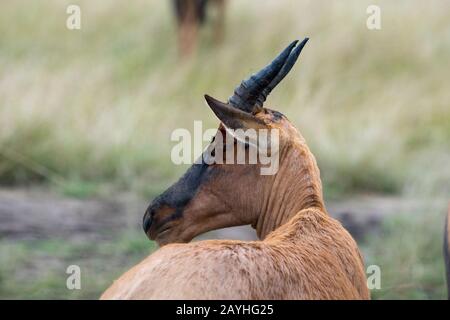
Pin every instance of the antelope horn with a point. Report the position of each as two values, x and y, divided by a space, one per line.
250 95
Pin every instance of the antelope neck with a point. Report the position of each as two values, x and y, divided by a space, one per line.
295 187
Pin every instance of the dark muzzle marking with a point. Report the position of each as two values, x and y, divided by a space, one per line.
176 197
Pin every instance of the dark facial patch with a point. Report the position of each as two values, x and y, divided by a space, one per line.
180 193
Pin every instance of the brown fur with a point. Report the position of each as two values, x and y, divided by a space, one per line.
190 15
311 257
303 254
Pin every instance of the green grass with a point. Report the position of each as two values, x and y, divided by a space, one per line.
37 269
98 105
409 252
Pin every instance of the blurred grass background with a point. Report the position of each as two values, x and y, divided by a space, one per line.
90 112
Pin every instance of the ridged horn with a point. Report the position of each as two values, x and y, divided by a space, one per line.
251 93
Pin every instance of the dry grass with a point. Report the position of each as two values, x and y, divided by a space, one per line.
99 104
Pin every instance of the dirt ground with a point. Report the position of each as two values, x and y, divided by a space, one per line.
28 214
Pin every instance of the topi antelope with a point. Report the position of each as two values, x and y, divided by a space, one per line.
303 252
190 15
447 250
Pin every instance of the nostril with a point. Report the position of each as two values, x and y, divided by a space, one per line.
147 221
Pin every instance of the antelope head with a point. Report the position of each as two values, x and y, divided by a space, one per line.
217 194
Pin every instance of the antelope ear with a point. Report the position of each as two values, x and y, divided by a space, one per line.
232 117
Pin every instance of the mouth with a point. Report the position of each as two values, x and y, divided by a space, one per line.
160 232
